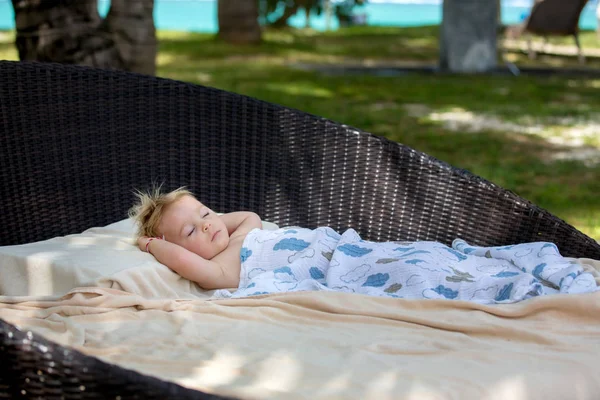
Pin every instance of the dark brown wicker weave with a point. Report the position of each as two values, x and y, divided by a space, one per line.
75 141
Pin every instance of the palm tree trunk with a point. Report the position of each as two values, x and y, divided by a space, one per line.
238 21
72 32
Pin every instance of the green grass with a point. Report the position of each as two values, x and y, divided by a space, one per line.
418 109
7 47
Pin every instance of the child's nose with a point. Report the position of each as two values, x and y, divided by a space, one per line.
206 227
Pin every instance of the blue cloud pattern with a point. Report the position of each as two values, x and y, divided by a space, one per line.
504 248
292 244
505 274
551 245
504 293
403 249
283 270
416 252
572 275
316 273
377 280
446 292
353 250
461 257
537 271
245 253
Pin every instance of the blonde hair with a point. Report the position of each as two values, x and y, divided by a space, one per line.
149 209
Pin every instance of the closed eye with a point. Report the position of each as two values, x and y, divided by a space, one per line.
206 215
192 231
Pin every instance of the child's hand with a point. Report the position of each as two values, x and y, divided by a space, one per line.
144 243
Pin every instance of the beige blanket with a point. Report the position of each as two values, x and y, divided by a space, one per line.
322 345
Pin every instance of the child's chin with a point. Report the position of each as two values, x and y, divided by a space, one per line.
221 245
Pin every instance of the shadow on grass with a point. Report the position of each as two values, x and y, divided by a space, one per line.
357 43
413 44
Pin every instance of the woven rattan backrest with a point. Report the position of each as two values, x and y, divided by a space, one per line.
75 142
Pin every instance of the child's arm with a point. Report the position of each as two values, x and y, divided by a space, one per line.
208 274
241 221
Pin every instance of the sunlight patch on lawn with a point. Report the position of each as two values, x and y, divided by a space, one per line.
173 35
578 134
7 36
274 36
9 54
419 42
587 222
304 89
8 51
203 77
163 59
592 83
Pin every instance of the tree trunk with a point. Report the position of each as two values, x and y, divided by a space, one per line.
598 19
327 15
468 35
72 32
238 21
499 8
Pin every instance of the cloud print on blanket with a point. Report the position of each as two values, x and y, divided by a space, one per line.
322 259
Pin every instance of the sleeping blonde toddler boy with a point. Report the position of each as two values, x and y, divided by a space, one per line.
190 238
232 251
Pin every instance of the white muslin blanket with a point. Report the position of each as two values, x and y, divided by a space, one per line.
297 259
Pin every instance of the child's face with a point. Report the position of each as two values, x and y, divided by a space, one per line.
192 225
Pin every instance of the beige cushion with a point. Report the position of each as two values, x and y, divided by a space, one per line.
103 256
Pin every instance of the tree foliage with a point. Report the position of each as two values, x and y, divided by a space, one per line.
277 12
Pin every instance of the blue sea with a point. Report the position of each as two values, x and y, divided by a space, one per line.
201 15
